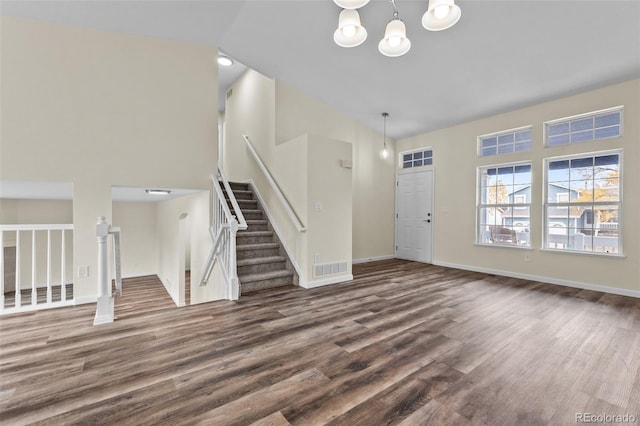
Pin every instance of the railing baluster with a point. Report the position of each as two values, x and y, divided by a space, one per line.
49 292
18 284
63 287
2 270
34 290
38 278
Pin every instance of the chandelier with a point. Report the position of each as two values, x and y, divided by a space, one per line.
440 15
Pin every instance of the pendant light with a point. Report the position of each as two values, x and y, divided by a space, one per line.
395 42
351 4
385 152
350 32
440 15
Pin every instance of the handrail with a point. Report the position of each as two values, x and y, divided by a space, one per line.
223 235
274 186
242 223
220 194
211 260
37 227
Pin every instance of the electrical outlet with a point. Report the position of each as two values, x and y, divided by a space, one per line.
527 257
316 258
83 271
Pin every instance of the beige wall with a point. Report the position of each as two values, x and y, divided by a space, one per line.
372 176
278 120
99 109
176 218
329 203
455 162
138 237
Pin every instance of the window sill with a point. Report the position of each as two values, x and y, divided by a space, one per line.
586 253
503 246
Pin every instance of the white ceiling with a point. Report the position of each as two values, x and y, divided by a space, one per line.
500 56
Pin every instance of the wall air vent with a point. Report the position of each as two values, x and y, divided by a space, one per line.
326 269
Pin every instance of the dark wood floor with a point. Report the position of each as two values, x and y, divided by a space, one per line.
404 343
41 294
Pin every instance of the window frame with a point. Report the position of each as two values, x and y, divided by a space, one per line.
513 131
512 206
569 119
413 159
592 204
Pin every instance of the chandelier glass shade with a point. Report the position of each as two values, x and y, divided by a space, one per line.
351 4
440 15
395 41
350 32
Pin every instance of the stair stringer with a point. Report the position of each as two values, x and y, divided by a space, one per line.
279 235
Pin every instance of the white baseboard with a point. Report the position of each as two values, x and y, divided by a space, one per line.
38 307
326 281
275 227
85 299
372 259
546 280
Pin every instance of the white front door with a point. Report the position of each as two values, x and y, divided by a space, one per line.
414 212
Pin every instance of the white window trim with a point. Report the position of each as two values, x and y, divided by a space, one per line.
411 151
545 204
501 132
479 204
583 115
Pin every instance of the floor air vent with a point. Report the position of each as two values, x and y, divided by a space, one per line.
325 269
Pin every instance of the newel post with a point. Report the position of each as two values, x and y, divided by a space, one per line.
104 309
234 293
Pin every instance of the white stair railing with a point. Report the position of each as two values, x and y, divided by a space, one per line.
42 275
274 186
223 234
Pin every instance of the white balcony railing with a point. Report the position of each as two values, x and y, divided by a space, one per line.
34 265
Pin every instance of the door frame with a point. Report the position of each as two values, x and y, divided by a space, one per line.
408 171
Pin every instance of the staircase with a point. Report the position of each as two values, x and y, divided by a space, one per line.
261 259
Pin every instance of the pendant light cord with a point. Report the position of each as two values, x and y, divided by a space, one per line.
384 125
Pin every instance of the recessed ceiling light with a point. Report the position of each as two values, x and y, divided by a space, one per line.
225 61
157 191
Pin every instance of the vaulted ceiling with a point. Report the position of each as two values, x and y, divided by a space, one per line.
502 54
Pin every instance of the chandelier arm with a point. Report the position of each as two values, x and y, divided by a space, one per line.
395 8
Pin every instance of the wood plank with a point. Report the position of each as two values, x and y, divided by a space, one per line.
403 343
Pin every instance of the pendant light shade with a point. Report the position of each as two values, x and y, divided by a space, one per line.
351 4
350 32
440 15
395 41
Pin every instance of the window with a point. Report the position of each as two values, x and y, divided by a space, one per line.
515 140
504 207
418 158
585 127
583 204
